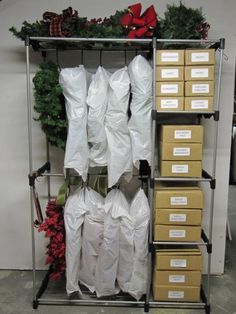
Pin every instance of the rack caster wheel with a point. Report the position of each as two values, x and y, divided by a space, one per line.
208 309
146 307
35 304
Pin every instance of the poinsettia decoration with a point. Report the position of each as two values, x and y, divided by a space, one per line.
54 229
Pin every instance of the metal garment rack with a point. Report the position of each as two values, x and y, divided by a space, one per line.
45 44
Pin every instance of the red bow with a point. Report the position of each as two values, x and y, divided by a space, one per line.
203 29
139 26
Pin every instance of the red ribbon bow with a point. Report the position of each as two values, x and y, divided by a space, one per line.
139 26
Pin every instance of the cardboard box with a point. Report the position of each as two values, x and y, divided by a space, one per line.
177 278
199 88
170 57
177 233
170 216
199 56
172 89
198 104
179 197
199 73
188 169
175 293
182 258
180 151
169 73
181 133
170 103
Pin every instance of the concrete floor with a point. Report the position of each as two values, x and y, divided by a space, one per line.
16 288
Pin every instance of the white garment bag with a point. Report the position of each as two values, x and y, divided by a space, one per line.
140 212
109 263
74 83
140 72
119 158
92 237
97 103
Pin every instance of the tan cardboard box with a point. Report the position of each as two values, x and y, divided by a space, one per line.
169 73
170 57
170 103
181 133
199 56
172 89
180 151
199 88
198 104
175 293
177 278
186 168
171 216
177 233
179 259
199 73
179 197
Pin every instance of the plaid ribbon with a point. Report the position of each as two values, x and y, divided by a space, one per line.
56 21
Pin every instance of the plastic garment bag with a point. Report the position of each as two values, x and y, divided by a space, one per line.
140 212
119 158
92 237
97 103
140 72
117 208
74 83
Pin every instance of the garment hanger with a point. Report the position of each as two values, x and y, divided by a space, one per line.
100 58
125 57
57 60
82 56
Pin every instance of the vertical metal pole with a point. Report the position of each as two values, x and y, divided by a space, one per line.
216 123
29 116
48 177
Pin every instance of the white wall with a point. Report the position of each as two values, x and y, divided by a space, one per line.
15 239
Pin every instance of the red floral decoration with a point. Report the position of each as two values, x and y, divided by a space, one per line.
54 228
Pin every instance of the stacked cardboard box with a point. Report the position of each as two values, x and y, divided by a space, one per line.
177 274
181 150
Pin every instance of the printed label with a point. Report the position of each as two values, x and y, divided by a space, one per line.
175 294
200 88
183 134
177 278
170 89
177 233
180 263
199 104
169 103
181 151
170 73
178 217
179 168
200 57
199 73
178 200
170 57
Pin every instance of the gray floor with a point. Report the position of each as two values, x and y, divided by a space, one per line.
16 288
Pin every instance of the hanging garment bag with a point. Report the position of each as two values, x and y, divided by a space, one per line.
140 72
119 158
97 104
74 83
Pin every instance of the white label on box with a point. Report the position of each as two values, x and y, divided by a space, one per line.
170 73
175 294
199 104
180 263
169 103
178 217
170 88
179 168
178 200
200 57
177 233
177 278
200 88
169 57
183 134
181 151
200 73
